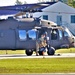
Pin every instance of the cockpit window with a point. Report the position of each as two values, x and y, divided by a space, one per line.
67 33
31 34
22 34
54 34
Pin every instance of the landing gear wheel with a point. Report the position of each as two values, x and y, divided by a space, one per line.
51 51
29 52
41 52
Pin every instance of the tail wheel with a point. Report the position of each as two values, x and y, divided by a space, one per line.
51 51
29 52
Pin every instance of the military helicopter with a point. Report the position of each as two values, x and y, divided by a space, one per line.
24 33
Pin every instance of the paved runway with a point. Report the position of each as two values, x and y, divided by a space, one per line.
65 55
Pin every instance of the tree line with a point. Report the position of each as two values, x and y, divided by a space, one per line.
69 2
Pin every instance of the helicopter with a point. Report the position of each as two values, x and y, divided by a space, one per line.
24 33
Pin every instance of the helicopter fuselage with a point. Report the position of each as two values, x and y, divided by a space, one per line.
23 34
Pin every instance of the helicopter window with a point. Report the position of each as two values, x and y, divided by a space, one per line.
45 17
22 34
60 34
54 34
31 34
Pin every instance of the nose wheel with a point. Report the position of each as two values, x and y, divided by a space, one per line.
51 51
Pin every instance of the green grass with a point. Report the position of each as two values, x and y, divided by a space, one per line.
12 52
42 65
69 50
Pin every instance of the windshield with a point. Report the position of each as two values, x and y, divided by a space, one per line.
67 32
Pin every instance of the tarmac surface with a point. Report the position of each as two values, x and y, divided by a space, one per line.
11 56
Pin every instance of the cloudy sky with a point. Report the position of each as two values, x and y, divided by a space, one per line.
12 2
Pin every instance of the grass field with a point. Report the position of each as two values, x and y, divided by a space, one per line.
69 50
42 65
12 52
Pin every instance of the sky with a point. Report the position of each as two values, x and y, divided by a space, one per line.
12 2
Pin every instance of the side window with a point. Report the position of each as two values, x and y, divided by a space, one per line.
31 34
60 34
54 34
22 34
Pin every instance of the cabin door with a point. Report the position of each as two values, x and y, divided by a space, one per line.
56 38
7 39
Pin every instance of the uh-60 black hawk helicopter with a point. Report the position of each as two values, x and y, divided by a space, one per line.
32 34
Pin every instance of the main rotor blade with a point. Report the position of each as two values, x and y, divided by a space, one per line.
30 8
35 7
19 14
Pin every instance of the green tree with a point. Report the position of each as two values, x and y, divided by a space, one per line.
65 1
71 3
25 2
18 2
